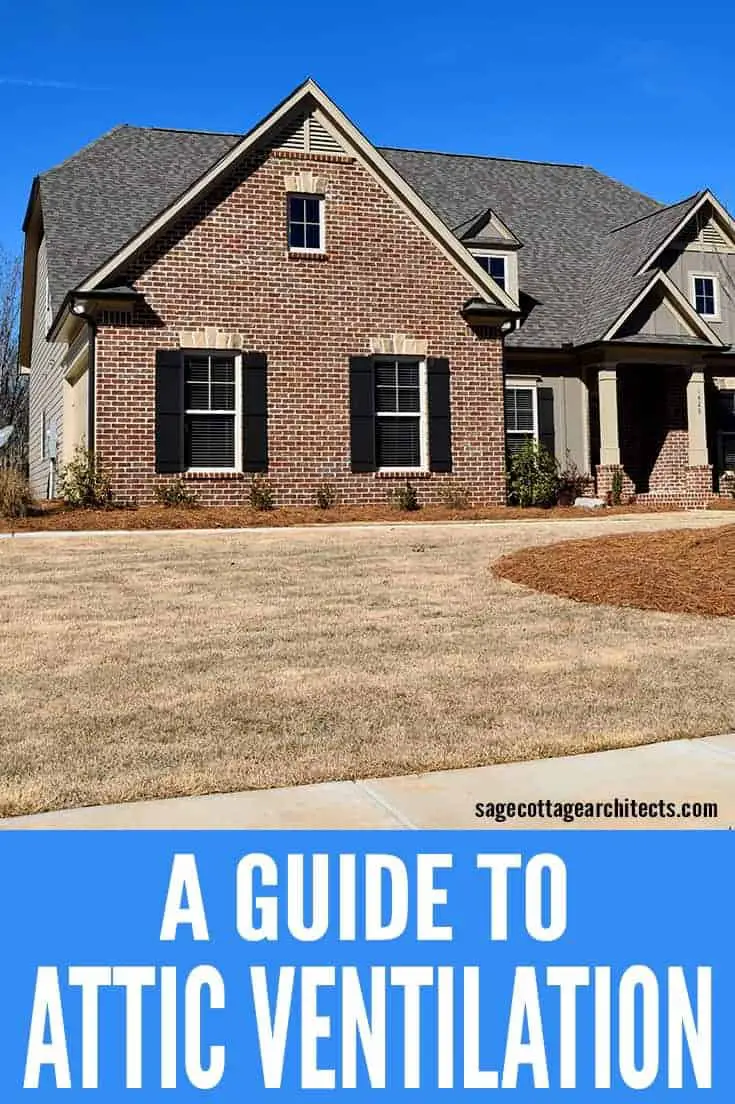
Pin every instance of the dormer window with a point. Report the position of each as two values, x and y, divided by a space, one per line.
706 295
306 223
496 267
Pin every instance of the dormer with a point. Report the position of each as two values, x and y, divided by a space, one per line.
495 246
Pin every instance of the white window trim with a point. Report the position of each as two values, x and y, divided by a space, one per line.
423 416
716 317
322 224
524 385
237 467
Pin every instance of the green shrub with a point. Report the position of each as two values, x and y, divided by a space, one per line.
405 497
261 494
85 481
455 496
175 493
616 487
533 476
326 496
16 499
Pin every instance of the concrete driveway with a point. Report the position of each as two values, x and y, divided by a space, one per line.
680 773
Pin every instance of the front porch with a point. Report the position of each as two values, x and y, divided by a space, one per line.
649 423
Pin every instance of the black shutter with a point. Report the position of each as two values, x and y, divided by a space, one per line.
440 422
254 412
546 418
169 411
362 414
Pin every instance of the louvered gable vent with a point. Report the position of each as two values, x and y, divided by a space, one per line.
292 137
711 239
711 235
307 135
320 140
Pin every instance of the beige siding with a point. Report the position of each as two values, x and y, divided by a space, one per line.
570 419
680 264
76 393
45 384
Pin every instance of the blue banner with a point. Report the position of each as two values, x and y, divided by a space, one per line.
367 965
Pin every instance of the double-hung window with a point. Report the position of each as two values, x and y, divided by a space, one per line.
306 223
401 415
495 267
212 412
521 417
705 295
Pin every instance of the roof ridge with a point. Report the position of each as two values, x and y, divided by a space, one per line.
660 211
181 130
489 157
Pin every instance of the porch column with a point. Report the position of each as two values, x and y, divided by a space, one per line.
608 398
697 420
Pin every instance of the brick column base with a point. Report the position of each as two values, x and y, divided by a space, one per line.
605 473
698 486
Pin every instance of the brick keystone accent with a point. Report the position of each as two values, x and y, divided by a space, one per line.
210 337
306 181
399 345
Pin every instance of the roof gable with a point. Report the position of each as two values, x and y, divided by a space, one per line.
661 286
310 98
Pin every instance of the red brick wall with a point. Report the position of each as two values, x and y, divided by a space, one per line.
225 264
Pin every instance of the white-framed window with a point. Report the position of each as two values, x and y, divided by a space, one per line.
305 223
401 415
213 412
496 266
705 290
521 416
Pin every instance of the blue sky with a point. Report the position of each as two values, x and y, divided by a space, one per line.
613 83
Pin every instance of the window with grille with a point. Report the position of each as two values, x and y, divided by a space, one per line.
705 296
495 267
400 414
212 400
521 417
306 223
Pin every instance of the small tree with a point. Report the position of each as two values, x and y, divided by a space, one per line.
533 476
13 387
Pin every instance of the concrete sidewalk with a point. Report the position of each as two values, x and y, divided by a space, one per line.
678 771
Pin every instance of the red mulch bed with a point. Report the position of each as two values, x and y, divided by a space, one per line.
686 571
56 516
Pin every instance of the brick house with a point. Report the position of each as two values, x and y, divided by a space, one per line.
301 303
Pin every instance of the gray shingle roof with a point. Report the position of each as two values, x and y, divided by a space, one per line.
584 235
94 202
561 213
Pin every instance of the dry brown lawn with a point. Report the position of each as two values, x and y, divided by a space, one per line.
160 665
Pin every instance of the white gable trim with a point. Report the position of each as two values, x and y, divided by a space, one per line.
677 301
706 197
417 210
